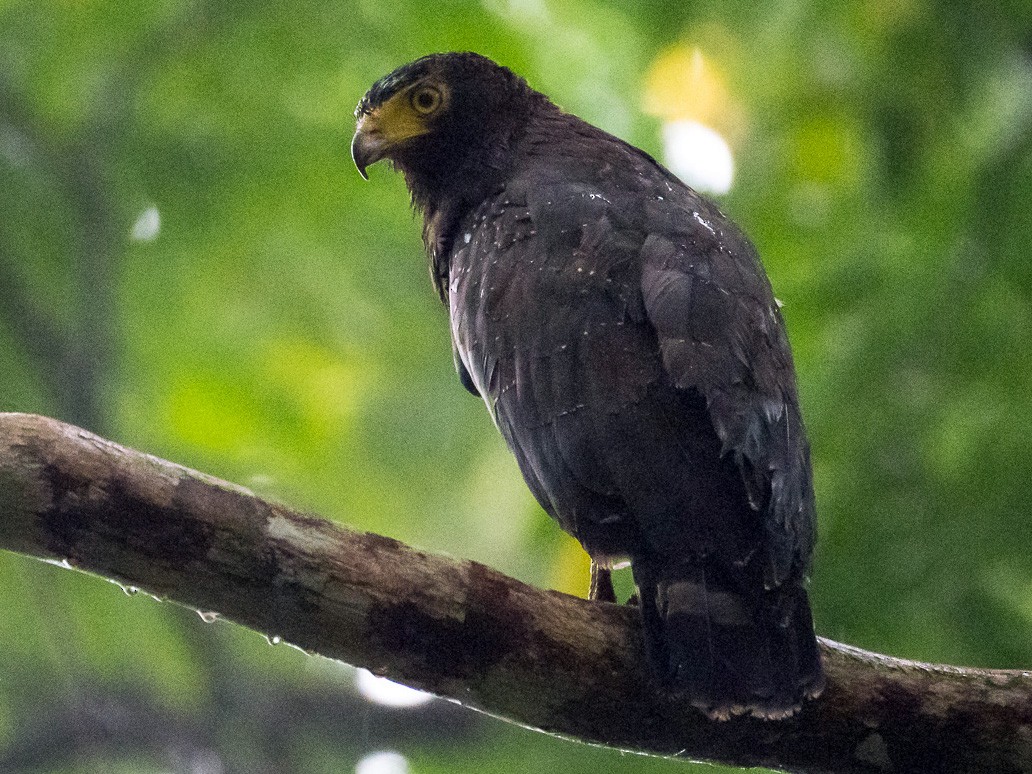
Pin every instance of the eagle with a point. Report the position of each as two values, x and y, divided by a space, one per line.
625 339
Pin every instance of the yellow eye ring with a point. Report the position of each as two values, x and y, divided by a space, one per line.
426 100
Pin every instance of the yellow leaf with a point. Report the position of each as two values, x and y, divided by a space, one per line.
683 85
571 572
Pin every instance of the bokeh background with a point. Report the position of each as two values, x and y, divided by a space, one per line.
190 265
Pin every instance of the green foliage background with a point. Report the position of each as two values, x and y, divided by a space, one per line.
280 331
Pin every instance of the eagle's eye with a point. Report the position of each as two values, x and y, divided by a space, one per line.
426 100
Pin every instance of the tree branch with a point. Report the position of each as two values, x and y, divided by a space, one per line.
461 630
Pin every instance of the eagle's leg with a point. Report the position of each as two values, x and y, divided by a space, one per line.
601 588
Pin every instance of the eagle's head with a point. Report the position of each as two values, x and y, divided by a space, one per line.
449 122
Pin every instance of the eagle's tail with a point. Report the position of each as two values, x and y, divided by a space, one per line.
728 650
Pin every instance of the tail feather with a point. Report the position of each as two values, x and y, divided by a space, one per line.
729 648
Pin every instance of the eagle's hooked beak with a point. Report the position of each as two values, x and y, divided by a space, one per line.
369 144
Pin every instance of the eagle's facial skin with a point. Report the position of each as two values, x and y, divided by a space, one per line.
407 113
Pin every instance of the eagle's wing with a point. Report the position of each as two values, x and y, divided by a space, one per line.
721 333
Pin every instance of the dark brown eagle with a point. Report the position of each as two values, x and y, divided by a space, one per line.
625 339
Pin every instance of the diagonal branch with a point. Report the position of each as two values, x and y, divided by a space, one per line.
461 630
